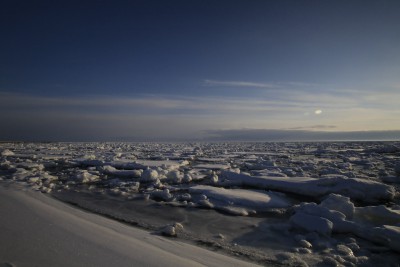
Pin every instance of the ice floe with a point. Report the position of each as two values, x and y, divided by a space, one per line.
355 188
247 200
122 173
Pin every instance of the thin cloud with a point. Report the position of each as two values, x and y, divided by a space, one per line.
178 114
157 117
301 84
314 127
284 101
10 101
240 84
271 85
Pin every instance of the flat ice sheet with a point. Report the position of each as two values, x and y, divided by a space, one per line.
36 230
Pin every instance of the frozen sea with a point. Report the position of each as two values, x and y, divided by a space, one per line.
272 204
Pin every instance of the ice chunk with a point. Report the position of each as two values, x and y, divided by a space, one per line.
149 175
184 163
174 176
344 250
162 194
247 199
178 227
205 203
21 174
318 210
47 176
34 180
7 152
168 230
338 219
378 215
122 173
6 165
339 203
125 164
86 177
387 235
312 223
187 178
30 166
305 244
214 178
186 197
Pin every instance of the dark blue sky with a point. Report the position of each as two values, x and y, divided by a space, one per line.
175 66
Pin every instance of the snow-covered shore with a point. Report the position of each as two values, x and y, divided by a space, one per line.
36 230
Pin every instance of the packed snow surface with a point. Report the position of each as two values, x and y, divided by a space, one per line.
296 204
49 233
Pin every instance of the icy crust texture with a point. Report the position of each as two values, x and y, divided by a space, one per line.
318 189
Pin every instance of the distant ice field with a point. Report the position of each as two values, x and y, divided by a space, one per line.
296 204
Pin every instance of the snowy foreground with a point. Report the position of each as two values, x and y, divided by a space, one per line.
290 204
50 233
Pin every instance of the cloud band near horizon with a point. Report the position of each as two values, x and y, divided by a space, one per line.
179 117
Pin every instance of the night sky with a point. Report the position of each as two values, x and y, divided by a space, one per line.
197 69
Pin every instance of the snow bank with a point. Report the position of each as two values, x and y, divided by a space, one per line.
40 231
359 189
